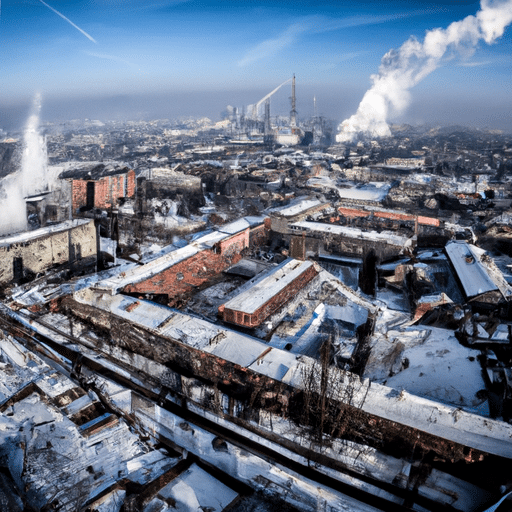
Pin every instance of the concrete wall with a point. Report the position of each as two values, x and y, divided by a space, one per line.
51 248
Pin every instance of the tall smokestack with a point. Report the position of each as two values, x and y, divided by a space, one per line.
293 113
267 116
402 69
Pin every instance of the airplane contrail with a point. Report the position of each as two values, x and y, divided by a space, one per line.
69 21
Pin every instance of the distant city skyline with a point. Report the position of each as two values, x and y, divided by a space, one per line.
94 58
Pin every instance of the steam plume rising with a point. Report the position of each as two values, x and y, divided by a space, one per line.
404 68
30 179
33 179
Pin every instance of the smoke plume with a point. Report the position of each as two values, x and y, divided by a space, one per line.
33 178
402 69
29 180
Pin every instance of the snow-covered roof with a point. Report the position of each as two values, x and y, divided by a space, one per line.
275 364
267 286
368 192
384 236
91 456
296 208
194 489
168 259
192 331
474 277
236 226
28 236
211 239
139 274
426 415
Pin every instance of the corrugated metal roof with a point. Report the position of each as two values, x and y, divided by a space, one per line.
471 273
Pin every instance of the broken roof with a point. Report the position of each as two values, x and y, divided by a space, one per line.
73 458
143 272
473 275
471 430
168 259
94 171
192 331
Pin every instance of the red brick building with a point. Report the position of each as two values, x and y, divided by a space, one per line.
254 304
177 275
100 187
352 213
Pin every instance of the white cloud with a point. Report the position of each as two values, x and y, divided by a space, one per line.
474 64
110 57
312 25
271 46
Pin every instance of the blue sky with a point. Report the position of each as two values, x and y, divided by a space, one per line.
239 50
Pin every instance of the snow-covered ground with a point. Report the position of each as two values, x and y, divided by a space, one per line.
429 362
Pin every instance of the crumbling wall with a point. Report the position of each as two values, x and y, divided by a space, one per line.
79 194
259 236
250 394
187 190
107 190
32 256
351 247
235 244
181 280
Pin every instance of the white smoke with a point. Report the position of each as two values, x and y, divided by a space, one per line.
402 69
31 179
13 217
34 158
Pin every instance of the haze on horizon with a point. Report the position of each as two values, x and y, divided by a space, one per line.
169 58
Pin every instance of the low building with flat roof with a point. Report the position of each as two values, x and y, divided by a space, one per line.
268 293
316 238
